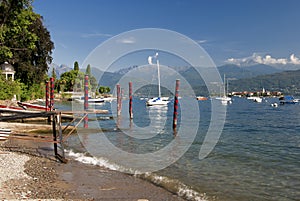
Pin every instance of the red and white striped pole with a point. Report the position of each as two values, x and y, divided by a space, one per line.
119 100
51 94
130 101
86 100
47 96
176 105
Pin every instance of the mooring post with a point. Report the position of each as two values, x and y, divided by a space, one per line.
118 100
54 134
130 101
176 105
86 100
47 96
51 94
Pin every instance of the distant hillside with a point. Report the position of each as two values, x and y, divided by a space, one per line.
287 82
236 72
246 78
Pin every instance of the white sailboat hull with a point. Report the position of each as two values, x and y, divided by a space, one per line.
158 101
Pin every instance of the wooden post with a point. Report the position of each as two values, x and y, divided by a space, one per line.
54 134
86 99
118 100
130 101
51 94
47 96
176 105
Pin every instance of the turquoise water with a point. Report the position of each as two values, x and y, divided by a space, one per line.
256 157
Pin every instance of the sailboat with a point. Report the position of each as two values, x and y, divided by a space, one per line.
224 99
157 101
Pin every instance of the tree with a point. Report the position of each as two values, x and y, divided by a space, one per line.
104 90
88 70
70 78
76 66
53 73
24 41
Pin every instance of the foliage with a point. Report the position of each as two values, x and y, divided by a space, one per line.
32 92
92 80
9 88
68 80
76 66
104 90
24 41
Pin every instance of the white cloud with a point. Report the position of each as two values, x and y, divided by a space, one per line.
267 60
93 35
294 59
201 41
129 40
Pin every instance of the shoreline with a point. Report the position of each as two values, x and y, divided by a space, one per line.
45 178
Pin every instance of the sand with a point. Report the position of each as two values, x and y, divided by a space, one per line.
31 172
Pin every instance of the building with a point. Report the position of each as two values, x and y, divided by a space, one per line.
8 70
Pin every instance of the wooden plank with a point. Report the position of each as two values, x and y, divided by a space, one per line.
27 115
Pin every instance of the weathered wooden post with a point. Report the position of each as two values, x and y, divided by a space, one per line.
51 94
176 105
47 96
130 101
86 99
118 100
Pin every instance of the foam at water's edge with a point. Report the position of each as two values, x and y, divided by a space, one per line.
172 185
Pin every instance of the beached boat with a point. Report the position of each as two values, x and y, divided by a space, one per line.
157 100
11 107
32 106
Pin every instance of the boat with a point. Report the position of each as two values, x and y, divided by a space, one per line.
224 99
157 100
201 98
32 106
288 100
91 100
255 99
11 107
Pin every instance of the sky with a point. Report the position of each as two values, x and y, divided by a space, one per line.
229 30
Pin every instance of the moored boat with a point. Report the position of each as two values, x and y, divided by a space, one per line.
288 100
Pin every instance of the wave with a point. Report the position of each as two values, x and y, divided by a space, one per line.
173 185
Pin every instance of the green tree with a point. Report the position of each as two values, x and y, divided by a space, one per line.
76 66
88 70
104 90
72 80
9 88
24 41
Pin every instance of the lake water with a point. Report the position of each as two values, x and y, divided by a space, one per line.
256 157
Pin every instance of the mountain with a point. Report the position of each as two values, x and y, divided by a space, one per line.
246 78
233 71
59 70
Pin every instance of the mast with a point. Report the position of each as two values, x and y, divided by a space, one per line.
224 86
158 75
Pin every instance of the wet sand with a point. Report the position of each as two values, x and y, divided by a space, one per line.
50 179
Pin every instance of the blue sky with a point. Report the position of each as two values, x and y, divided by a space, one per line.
226 29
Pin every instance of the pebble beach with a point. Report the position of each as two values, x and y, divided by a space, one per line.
27 174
